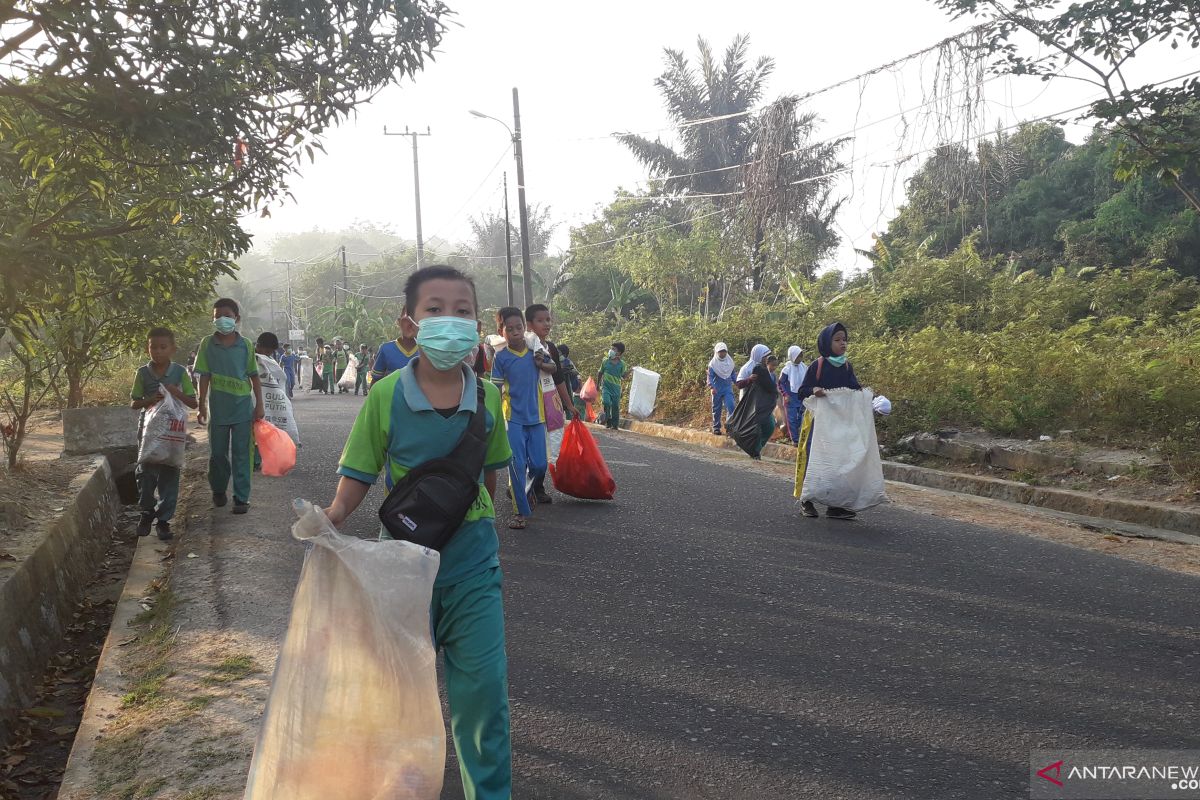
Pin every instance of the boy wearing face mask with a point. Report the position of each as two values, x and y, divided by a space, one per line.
524 408
227 366
413 415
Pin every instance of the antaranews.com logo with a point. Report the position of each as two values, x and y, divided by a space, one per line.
1114 775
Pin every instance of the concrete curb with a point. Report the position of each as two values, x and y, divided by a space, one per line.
151 562
1145 514
39 598
108 686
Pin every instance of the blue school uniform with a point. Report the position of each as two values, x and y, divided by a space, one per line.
526 415
722 396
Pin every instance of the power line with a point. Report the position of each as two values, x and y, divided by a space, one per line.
807 95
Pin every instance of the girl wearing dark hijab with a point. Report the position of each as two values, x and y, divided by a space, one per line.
830 371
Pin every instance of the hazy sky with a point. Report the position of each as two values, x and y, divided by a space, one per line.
583 74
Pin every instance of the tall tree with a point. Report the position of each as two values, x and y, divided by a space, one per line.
761 168
1093 41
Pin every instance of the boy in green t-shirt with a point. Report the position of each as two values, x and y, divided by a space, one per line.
226 364
609 377
160 371
416 414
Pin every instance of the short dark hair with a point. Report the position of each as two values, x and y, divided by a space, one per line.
564 351
161 333
268 339
320 341
432 273
225 302
536 308
619 347
507 313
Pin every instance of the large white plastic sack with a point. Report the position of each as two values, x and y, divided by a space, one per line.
349 375
276 404
643 393
844 468
164 432
353 710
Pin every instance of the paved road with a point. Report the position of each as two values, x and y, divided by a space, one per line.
697 638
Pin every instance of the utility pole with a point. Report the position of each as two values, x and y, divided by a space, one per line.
507 242
416 185
345 282
526 272
291 309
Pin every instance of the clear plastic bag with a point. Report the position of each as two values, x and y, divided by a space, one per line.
164 432
844 469
353 710
349 376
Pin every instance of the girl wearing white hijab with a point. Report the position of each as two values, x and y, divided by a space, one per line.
765 396
720 383
789 384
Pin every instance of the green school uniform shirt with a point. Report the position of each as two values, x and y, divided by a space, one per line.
613 373
229 369
397 428
146 382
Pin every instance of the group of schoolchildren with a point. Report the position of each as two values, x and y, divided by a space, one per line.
785 388
226 368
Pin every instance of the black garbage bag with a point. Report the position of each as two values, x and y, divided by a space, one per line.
744 423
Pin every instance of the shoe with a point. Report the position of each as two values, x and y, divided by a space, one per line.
716 432
240 507
840 513
542 497
143 528
808 509
219 499
164 531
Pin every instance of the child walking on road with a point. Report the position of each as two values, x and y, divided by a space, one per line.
160 478
830 371
413 416
720 383
226 365
609 377
517 367
790 381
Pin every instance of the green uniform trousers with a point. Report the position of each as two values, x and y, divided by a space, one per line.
468 626
612 407
231 451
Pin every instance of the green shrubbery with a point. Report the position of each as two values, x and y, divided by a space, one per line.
1113 355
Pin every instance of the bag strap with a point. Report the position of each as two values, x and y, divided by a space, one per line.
820 363
472 445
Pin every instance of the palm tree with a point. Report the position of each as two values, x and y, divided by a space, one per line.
728 89
763 167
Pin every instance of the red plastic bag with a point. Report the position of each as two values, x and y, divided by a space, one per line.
580 470
277 449
589 392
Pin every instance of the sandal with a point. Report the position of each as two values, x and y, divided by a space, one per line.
516 524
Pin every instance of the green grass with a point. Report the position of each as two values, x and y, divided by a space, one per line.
150 788
200 702
116 760
233 669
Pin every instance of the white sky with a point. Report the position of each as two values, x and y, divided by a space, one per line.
585 74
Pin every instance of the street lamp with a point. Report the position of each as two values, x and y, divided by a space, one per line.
515 134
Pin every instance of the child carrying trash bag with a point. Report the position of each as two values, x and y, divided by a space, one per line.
753 419
855 474
430 428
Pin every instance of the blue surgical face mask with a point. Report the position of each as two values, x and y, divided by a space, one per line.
225 324
612 353
837 361
447 341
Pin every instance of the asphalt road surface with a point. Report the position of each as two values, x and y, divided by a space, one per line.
697 638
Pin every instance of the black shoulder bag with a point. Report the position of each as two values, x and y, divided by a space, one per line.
428 504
